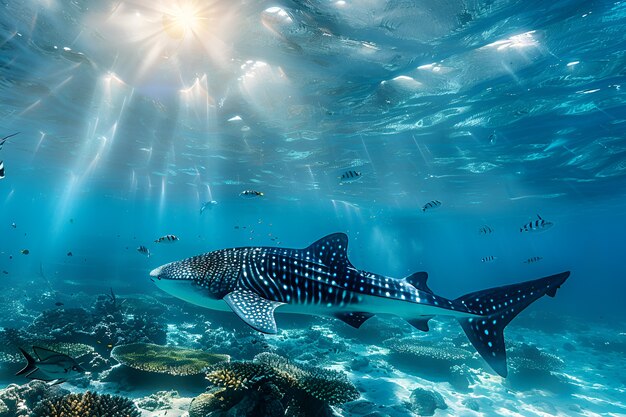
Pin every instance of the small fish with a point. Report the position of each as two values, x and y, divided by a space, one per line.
350 176
489 258
1 170
208 205
143 250
485 230
431 205
59 304
70 254
5 272
538 225
13 225
72 221
533 259
4 139
50 366
250 194
25 251
166 239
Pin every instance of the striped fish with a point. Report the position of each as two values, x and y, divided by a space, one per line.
254 282
431 205
350 176
538 225
485 230
489 258
533 259
143 250
1 170
166 239
250 194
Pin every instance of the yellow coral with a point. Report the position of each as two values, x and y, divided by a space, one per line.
87 404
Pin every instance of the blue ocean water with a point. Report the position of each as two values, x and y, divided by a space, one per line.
133 114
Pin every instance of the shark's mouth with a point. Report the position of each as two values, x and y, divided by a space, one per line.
156 272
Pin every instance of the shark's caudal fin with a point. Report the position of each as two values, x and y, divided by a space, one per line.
498 306
30 366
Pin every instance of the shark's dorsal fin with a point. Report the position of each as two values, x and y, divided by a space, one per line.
256 311
43 353
354 319
418 280
329 250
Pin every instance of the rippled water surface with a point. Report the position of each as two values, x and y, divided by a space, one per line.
133 114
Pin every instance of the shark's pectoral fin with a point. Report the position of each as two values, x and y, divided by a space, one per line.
354 319
256 311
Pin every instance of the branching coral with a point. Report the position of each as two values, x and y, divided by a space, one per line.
272 379
87 404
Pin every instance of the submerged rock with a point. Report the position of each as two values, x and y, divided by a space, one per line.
19 400
162 400
424 402
472 404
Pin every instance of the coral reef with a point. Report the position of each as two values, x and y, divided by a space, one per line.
435 362
271 385
424 402
530 367
161 400
86 404
243 344
109 322
19 400
170 360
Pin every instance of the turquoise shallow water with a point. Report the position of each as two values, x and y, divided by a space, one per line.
133 114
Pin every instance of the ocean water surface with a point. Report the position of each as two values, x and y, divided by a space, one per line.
481 141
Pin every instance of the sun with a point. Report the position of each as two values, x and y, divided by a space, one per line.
183 20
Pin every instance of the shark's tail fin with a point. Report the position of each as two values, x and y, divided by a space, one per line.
30 366
497 307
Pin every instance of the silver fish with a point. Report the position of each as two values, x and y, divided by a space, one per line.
1 170
50 366
538 225
431 205
207 205
166 239
250 194
143 250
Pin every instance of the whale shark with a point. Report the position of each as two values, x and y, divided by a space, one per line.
253 282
